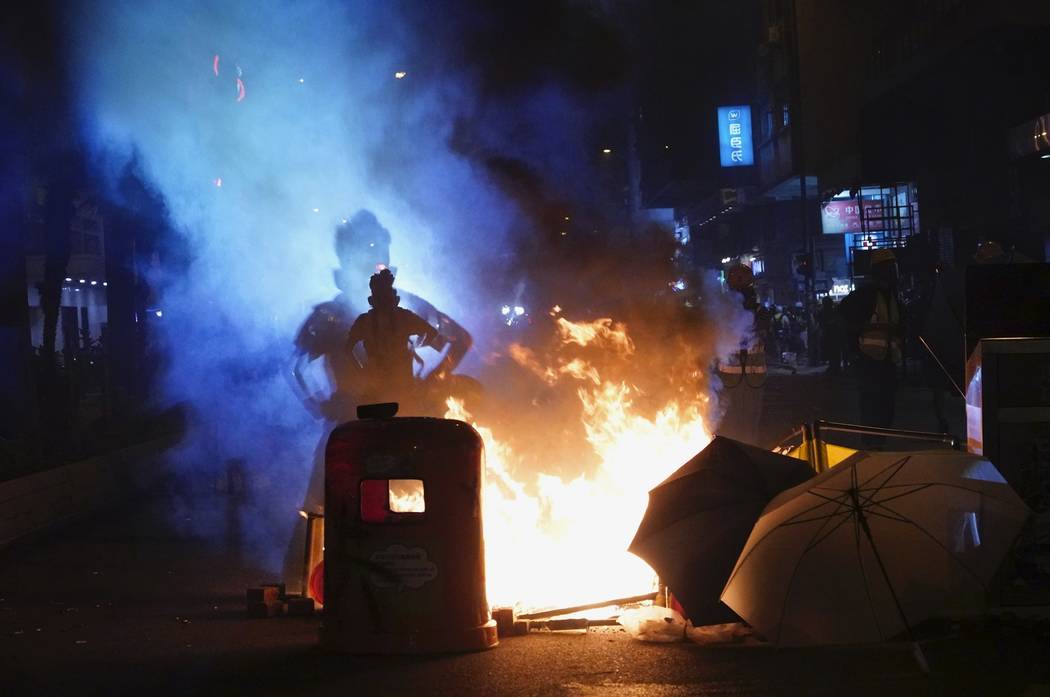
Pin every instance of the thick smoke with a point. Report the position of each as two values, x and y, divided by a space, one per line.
261 125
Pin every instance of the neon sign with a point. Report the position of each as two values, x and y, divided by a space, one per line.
734 136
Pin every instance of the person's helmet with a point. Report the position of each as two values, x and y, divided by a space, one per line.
382 286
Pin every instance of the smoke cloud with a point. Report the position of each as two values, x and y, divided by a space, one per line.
262 125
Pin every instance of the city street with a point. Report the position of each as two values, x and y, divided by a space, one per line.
121 604
464 314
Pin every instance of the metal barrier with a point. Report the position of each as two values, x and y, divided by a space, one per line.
812 438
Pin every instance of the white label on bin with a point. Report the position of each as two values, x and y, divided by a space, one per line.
401 567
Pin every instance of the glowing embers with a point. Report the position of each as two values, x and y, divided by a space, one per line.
392 500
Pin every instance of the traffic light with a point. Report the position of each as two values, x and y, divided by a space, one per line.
802 264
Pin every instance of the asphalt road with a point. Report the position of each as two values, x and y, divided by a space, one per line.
126 604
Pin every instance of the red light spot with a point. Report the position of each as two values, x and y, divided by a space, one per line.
375 498
240 90
317 582
215 65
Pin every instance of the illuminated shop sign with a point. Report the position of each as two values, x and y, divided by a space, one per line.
734 136
837 217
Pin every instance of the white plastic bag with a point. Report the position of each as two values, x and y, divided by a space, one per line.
653 623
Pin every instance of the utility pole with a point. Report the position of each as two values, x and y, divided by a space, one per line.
799 156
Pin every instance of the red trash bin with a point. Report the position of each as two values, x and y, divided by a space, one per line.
404 561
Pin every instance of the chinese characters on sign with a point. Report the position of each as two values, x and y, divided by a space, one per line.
734 136
837 217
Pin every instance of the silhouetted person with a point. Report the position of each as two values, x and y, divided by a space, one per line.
386 332
872 314
328 379
830 335
363 247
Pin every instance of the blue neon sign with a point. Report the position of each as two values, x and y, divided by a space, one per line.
734 136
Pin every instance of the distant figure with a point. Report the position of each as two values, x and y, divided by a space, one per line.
830 335
386 331
779 326
872 316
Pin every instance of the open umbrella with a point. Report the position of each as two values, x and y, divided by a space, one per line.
698 520
868 549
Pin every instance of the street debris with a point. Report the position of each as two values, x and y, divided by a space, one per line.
654 623
271 600
589 606
711 635
509 623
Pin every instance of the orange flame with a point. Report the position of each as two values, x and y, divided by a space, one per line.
554 542
602 332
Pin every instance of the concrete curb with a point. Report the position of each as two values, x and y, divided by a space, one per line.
37 502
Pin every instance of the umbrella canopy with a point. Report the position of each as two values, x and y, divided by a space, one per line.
698 520
868 549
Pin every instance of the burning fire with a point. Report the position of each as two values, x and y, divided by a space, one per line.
406 496
554 542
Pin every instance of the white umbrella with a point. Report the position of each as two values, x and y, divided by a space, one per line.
870 548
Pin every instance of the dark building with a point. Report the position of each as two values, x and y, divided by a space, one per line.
79 268
950 83
901 115
912 124
806 118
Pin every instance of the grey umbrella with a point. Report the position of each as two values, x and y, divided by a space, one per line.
870 548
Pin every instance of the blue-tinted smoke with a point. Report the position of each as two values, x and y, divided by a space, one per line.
262 125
